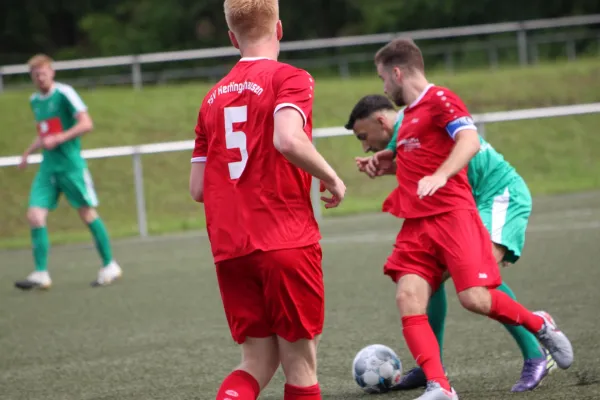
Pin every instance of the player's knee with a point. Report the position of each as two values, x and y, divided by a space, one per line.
499 251
299 362
88 214
410 301
36 217
476 299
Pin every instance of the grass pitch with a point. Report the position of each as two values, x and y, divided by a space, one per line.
554 155
160 333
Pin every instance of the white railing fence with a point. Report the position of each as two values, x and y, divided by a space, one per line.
136 61
136 152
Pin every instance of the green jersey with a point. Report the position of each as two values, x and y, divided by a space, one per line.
56 112
489 173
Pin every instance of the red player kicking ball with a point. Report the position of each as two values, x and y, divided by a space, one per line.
252 168
442 230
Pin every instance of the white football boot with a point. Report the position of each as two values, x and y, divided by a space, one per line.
35 280
556 342
108 275
435 392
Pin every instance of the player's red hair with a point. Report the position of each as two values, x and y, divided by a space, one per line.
39 60
402 53
251 19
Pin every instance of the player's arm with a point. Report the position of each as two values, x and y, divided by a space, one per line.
198 164
294 98
466 147
84 125
290 140
34 146
453 116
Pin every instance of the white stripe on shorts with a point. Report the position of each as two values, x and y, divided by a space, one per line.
90 192
499 210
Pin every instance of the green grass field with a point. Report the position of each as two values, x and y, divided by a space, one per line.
554 155
160 333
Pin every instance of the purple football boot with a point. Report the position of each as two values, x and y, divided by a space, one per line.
534 371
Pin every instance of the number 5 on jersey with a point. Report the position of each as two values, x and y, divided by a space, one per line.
236 139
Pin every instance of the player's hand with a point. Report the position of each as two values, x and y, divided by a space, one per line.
50 142
23 164
361 163
337 190
430 184
380 163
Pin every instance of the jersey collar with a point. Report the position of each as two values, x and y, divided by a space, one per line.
423 93
45 96
249 59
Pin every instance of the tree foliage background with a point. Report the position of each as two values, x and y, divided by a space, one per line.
83 28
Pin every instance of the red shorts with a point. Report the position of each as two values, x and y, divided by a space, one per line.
277 292
456 241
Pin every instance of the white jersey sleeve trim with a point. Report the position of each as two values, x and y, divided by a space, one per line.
73 97
284 105
198 159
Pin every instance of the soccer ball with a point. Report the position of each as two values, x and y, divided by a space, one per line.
376 368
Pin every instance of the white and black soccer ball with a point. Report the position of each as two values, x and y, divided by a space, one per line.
376 368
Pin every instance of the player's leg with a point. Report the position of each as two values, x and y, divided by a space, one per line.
463 243
436 313
506 217
416 273
78 187
240 284
42 198
295 299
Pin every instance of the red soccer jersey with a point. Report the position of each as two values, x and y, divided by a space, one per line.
425 140
254 199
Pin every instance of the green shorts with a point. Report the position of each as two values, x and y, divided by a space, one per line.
77 185
506 215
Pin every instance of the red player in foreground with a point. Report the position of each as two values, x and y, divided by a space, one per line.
252 167
442 231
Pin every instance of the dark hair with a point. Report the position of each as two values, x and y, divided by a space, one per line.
401 52
367 106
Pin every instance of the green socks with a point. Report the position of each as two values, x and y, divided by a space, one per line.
436 311
40 246
102 241
527 342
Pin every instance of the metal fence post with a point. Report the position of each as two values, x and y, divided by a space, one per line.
449 60
571 50
344 68
481 129
493 56
522 45
315 193
1 82
138 180
136 73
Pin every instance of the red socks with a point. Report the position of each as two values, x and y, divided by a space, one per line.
302 393
239 385
424 347
507 311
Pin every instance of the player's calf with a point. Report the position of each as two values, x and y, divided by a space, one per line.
476 299
260 360
299 363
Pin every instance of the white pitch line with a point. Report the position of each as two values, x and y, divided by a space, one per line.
388 235
366 236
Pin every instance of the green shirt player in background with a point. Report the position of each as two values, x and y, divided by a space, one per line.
504 204
61 118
